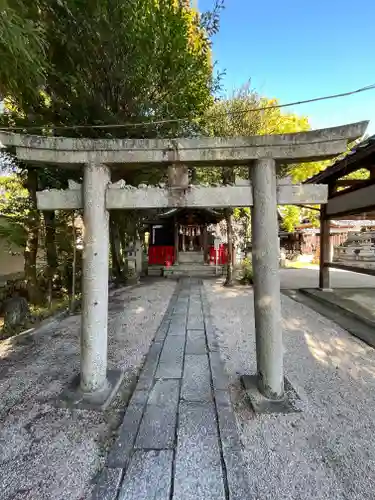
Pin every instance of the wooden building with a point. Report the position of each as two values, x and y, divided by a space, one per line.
348 199
182 235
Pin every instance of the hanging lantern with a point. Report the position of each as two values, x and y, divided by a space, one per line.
181 231
198 233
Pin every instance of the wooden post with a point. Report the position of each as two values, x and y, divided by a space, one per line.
325 247
176 242
205 245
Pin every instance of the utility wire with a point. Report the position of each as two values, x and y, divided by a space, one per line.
178 120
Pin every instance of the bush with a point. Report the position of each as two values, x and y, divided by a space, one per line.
246 272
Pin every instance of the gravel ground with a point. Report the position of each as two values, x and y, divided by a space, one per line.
327 451
51 453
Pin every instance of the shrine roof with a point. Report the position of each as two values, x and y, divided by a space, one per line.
206 215
360 156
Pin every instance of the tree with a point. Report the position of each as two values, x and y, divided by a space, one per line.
22 48
110 62
247 113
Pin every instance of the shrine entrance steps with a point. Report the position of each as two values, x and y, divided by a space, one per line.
193 270
178 439
187 271
191 257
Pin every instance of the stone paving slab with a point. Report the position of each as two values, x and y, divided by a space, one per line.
179 439
148 477
219 377
198 473
108 484
171 359
195 322
123 446
196 383
158 426
196 342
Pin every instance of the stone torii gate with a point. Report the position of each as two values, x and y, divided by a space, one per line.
98 195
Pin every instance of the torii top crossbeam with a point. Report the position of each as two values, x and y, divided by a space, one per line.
286 148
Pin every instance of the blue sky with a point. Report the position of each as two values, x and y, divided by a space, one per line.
295 50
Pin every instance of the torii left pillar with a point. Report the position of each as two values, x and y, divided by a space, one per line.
95 280
97 384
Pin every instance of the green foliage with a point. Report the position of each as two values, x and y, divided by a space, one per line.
112 62
13 209
246 276
105 62
242 115
291 217
361 174
22 48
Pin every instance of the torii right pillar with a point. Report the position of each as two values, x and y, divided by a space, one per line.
265 248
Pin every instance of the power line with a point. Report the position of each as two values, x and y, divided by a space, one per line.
179 120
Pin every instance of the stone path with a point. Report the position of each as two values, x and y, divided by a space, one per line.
178 440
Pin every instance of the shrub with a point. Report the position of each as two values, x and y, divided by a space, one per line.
246 272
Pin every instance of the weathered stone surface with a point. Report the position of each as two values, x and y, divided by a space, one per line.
121 450
237 480
162 332
196 342
199 196
219 377
158 426
203 421
196 383
265 252
212 342
146 377
15 310
154 351
195 308
95 279
195 322
139 397
165 393
178 322
177 327
198 472
228 428
108 484
222 398
73 150
171 359
148 476
145 382
179 330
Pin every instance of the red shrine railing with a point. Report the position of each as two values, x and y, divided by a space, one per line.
222 255
164 255
160 255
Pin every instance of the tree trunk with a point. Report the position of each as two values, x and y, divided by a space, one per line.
228 219
31 249
51 251
115 243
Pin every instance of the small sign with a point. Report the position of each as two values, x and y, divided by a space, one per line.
217 243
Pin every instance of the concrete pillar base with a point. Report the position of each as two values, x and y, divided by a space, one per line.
289 403
74 397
